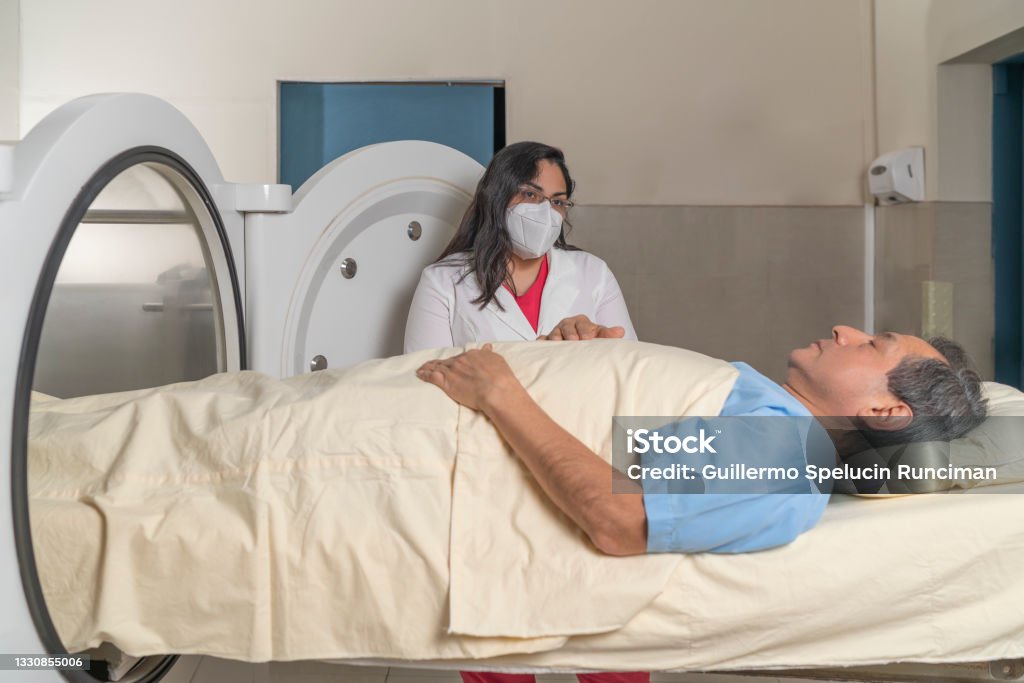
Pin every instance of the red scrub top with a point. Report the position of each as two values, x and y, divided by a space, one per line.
529 302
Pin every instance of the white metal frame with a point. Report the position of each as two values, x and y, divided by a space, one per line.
42 176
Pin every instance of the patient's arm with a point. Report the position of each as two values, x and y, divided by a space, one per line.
576 479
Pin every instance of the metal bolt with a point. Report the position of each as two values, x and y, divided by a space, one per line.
318 363
415 230
348 268
1006 669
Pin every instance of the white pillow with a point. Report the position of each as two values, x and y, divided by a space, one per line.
998 442
1003 399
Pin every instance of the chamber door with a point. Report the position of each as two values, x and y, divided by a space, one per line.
120 277
329 284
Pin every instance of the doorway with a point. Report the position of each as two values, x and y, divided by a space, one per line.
1008 217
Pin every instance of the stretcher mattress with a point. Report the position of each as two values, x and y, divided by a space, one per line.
227 520
931 578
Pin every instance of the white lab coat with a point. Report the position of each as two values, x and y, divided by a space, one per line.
443 312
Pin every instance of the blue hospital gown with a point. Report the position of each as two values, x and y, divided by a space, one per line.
744 522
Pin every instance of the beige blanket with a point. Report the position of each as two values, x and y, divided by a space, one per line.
342 514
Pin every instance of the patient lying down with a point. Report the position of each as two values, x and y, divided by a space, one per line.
360 513
881 381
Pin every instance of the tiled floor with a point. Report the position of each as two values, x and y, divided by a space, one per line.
213 670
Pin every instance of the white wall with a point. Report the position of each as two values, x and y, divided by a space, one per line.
956 27
9 69
732 102
935 85
903 88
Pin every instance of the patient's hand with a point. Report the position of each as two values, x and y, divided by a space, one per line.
476 378
580 327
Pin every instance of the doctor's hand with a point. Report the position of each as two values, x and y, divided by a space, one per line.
580 327
476 379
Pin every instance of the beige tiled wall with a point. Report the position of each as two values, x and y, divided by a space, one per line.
751 283
946 242
740 283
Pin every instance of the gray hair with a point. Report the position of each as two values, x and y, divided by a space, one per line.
946 398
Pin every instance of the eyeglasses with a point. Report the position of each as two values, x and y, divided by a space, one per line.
527 194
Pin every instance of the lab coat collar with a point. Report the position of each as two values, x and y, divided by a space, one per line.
560 291
513 316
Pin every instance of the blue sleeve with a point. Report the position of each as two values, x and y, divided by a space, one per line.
728 523
743 522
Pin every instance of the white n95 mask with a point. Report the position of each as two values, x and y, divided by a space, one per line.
533 228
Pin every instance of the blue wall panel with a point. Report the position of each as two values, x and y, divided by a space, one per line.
322 121
301 132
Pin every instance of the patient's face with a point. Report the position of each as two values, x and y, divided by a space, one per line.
846 373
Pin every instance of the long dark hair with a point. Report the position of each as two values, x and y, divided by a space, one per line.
483 233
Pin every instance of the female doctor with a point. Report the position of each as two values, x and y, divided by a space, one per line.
508 274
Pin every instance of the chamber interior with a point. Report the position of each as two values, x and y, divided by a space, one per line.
134 304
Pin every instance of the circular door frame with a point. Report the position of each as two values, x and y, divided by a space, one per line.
75 152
